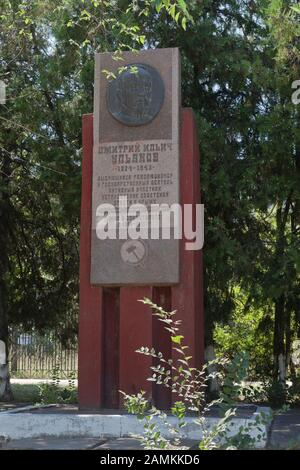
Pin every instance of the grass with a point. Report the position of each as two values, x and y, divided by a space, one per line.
25 393
32 394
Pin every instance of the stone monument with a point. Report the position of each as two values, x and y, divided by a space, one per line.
140 153
136 154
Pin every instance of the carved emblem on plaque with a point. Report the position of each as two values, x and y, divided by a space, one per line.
136 96
133 252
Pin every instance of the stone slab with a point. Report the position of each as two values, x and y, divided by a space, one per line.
285 431
140 163
99 426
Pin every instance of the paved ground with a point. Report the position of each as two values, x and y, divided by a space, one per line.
51 443
8 406
54 443
284 434
285 431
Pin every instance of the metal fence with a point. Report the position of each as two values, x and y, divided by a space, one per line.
33 355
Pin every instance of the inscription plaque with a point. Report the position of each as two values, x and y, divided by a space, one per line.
136 154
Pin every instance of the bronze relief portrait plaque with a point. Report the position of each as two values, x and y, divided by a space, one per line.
136 95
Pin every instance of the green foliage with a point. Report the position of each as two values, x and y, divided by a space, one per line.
251 433
55 393
283 19
232 386
46 60
238 62
248 330
190 386
25 393
276 392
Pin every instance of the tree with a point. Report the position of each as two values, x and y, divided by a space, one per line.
47 63
249 135
285 35
238 60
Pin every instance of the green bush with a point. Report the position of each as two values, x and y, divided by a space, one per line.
54 393
25 393
190 386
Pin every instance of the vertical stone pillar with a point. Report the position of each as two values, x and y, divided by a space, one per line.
141 145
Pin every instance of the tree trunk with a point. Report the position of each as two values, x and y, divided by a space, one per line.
5 389
278 344
211 356
279 349
288 337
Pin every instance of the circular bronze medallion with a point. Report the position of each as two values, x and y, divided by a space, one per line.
136 96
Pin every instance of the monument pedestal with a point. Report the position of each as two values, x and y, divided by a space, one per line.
112 323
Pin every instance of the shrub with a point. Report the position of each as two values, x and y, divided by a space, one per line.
190 386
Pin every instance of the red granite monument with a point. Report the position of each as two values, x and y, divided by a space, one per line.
141 145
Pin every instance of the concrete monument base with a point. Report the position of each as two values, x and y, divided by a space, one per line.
41 423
